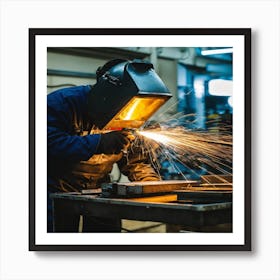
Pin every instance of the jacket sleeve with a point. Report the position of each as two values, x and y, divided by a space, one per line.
137 166
62 145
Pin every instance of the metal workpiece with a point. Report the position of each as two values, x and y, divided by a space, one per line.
143 188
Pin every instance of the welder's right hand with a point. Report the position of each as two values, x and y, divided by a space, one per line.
112 142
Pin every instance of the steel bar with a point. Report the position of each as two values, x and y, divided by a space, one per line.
143 188
159 198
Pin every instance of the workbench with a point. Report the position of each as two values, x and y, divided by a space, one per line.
68 206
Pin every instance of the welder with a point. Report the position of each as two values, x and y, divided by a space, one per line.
87 131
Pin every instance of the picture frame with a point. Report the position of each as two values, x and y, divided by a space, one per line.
40 40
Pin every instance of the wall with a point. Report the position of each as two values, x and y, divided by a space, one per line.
73 63
88 65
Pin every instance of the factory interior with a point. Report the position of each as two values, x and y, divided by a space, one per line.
200 81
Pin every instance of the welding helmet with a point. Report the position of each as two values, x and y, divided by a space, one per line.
126 94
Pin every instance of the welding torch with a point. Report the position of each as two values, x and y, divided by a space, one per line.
132 133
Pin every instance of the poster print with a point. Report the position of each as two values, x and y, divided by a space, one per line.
174 106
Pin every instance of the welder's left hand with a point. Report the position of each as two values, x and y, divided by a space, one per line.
113 142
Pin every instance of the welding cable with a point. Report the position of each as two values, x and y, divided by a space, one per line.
61 85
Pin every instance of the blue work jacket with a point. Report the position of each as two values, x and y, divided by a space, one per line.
67 122
72 163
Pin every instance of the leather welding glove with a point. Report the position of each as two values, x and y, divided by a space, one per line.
112 143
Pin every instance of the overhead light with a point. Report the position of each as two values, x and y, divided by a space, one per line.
230 101
217 51
220 87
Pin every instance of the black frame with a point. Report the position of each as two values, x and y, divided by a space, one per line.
246 32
